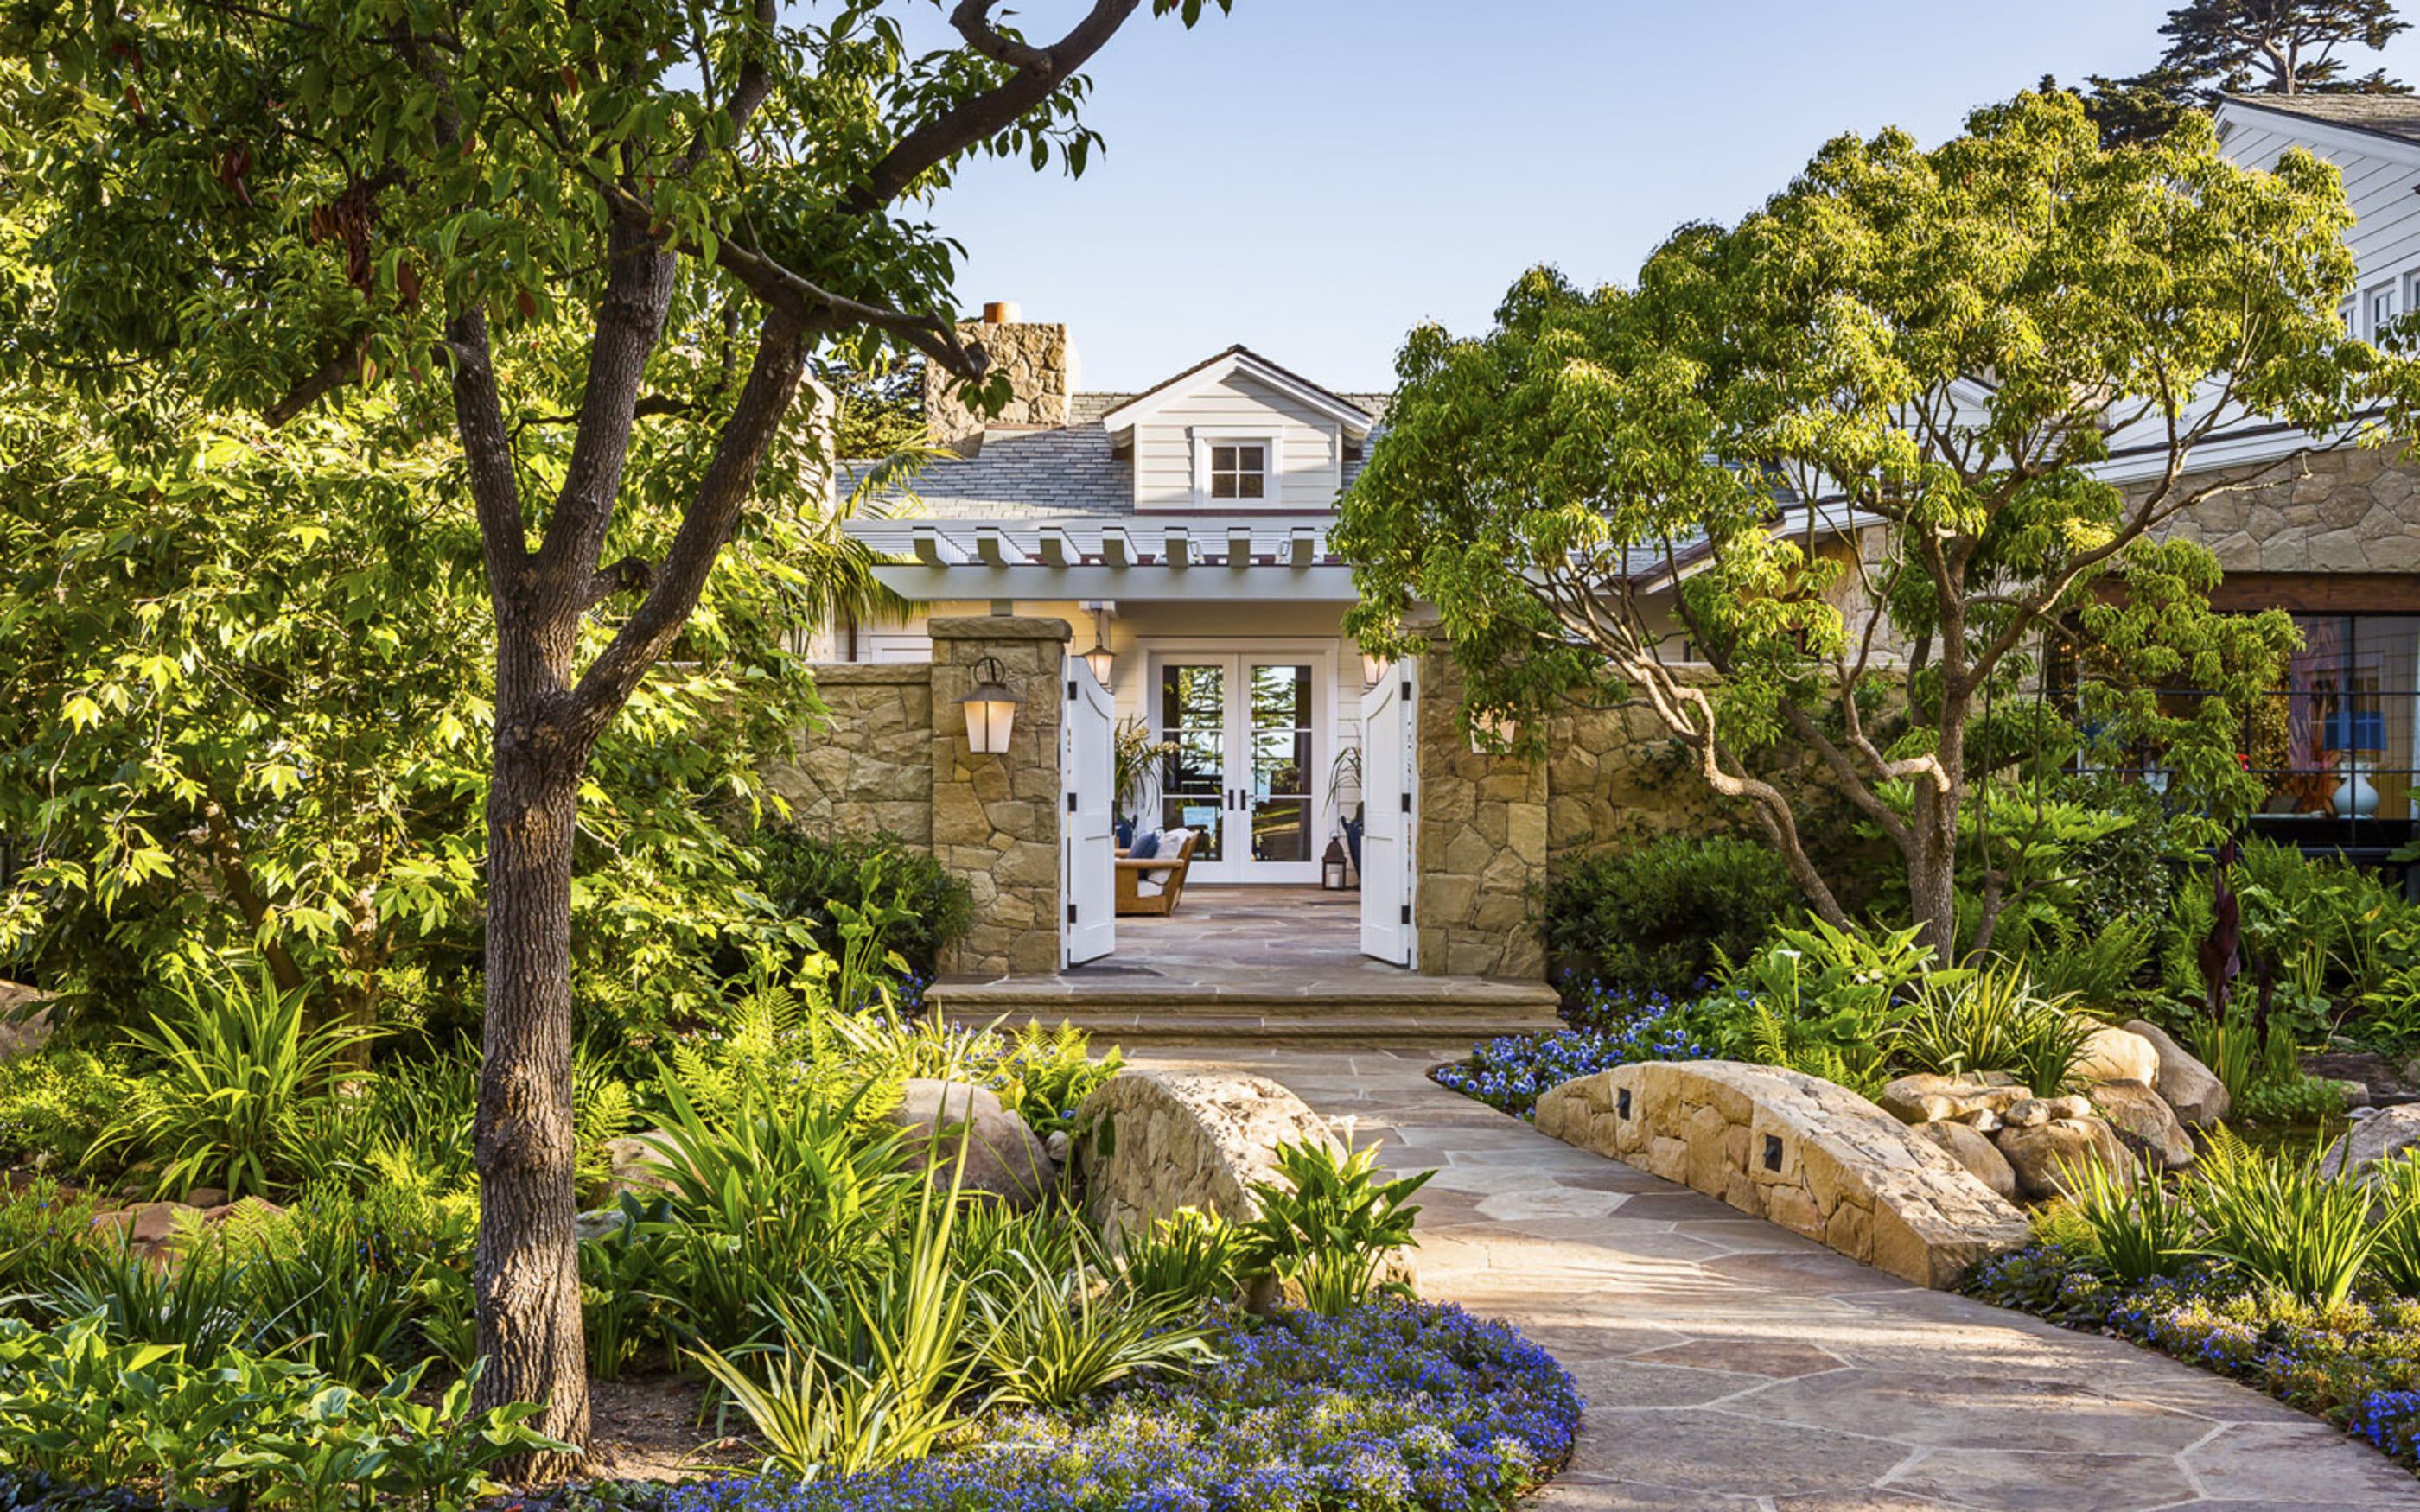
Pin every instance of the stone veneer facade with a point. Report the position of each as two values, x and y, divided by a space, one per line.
1041 366
867 767
2348 510
995 820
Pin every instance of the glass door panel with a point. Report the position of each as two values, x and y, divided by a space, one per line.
1278 738
1193 780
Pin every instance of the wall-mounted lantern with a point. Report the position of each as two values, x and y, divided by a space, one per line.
1491 733
991 709
1372 668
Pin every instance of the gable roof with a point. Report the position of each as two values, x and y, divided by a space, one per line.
1356 420
2395 117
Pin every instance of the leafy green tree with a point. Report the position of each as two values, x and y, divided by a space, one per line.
248 700
1946 342
2233 47
261 206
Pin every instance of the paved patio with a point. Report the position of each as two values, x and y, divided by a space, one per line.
1730 1365
1243 963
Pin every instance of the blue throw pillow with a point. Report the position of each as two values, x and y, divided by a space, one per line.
1144 847
1126 833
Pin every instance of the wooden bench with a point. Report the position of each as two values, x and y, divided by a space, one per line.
1131 897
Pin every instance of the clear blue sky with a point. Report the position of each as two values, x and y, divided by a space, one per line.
1312 178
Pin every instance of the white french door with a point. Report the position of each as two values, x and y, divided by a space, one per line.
1088 835
1250 731
1388 779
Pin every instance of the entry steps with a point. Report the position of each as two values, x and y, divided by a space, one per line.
1373 1010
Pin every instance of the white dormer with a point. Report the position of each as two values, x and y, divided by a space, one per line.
1237 434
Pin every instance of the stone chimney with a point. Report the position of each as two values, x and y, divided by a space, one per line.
1041 368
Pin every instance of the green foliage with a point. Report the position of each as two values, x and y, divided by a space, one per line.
2396 1261
239 1085
1043 1076
815 880
1818 999
1661 916
1061 1335
2218 48
55 1105
1327 1226
1993 1020
1136 760
2101 971
1523 469
2137 1229
1191 1257
270 1432
2284 1221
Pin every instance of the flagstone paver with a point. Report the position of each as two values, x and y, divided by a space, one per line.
1729 1364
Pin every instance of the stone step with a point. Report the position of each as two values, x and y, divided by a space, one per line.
1450 1012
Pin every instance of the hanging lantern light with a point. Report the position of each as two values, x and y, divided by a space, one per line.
1101 658
990 708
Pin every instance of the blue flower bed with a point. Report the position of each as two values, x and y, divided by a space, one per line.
1609 1028
1399 1406
2357 1364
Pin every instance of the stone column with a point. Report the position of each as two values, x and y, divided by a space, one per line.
1483 843
996 818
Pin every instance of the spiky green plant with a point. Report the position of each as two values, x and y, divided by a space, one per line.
2282 1221
2138 1229
1061 1335
1992 1019
239 1082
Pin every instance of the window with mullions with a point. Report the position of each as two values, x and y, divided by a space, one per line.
1239 470
2341 739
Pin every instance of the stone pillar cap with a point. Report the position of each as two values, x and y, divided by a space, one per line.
1000 627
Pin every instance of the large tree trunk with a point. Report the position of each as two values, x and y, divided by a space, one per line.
1932 876
528 1252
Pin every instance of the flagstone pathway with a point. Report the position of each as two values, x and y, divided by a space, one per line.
1729 1364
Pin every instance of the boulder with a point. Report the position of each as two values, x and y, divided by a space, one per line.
2144 1122
642 1162
25 1027
2192 1088
2119 1055
2383 1135
2038 1152
1002 1156
1928 1098
1969 1147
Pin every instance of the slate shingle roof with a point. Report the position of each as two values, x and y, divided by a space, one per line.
2389 116
1042 474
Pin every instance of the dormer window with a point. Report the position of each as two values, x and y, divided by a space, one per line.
1239 470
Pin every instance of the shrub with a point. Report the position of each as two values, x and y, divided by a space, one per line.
1061 1336
55 1105
237 1086
1329 1226
2283 1222
812 879
1190 1257
1821 1000
2138 1229
1660 916
1992 1019
83 1410
1395 1407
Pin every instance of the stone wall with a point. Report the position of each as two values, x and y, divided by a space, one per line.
2341 510
1152 1142
1041 368
996 818
1814 1158
1480 847
868 768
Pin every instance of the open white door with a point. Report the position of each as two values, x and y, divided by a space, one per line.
1088 838
1387 802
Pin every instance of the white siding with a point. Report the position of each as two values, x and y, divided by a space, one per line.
1310 454
2385 238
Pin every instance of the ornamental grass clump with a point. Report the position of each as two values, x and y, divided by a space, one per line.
1992 1019
2137 1229
2281 1221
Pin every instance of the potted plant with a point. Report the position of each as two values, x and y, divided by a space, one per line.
1343 773
1135 770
